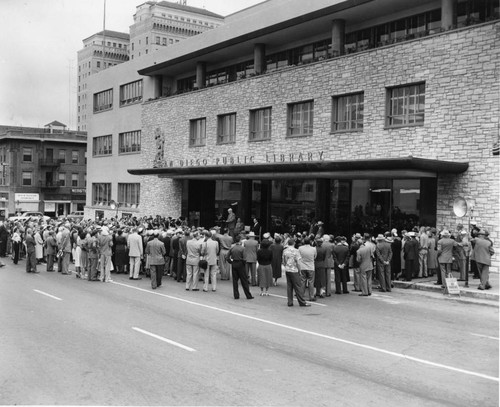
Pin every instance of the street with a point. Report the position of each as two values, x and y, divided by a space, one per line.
69 341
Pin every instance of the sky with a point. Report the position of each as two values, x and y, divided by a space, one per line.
38 52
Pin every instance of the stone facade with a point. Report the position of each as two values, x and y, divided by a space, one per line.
460 71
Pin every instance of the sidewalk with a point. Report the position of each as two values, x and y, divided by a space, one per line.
428 284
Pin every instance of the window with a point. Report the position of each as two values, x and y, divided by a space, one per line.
27 154
129 142
61 179
300 119
198 132
62 156
131 93
128 194
347 112
74 180
74 157
27 178
98 64
103 100
226 128
260 124
101 193
102 145
406 105
157 40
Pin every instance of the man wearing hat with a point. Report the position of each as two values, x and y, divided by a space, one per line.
156 252
410 249
250 255
445 247
461 252
135 252
383 256
482 252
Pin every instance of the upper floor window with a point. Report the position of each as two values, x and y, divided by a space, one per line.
226 128
74 157
62 179
260 124
103 100
101 193
62 156
128 194
27 178
102 145
198 132
131 92
74 180
406 105
129 142
347 112
27 154
300 119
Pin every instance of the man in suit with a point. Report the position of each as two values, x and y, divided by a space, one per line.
341 261
51 250
135 252
482 252
182 256
156 252
165 238
250 254
4 234
231 221
210 248
445 247
329 264
383 254
257 229
411 256
364 257
225 242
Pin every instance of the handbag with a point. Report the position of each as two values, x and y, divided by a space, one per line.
203 264
59 254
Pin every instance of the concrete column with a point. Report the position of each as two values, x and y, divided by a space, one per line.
338 37
448 14
259 58
201 74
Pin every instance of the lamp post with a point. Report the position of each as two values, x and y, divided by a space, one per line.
115 205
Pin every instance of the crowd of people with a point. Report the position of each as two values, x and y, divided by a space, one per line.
155 247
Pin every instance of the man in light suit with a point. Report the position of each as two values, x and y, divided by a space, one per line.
135 252
156 252
383 254
445 247
250 255
210 248
482 252
364 257
329 264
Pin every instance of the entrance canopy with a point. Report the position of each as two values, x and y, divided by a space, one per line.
408 167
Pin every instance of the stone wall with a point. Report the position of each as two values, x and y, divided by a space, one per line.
460 71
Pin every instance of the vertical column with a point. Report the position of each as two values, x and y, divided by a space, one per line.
259 58
201 74
448 14
338 37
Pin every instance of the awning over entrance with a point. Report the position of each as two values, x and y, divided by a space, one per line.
408 167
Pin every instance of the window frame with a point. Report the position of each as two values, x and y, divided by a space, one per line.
74 179
129 194
61 179
337 113
126 144
103 101
131 93
30 155
226 132
291 112
265 127
30 179
100 140
75 154
198 132
99 196
405 116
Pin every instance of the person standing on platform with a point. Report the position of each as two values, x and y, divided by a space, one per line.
482 252
307 254
291 261
383 254
236 258
231 221
225 242
257 229
156 252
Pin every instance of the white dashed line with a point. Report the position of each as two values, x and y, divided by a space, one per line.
48 295
486 336
161 338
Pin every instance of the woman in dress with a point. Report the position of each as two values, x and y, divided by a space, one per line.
277 249
265 270
121 256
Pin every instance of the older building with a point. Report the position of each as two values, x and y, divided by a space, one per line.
43 169
366 115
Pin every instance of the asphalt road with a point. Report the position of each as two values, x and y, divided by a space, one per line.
68 341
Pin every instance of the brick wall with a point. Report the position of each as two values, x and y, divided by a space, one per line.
460 71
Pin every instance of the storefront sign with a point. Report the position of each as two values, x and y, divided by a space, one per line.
242 160
78 191
26 197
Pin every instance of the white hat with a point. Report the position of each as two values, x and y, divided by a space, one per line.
445 233
266 235
251 234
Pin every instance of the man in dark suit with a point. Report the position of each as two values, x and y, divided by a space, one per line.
445 247
4 234
383 254
156 252
341 263
482 252
165 238
257 229
411 257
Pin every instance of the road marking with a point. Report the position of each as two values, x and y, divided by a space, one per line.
333 338
486 336
48 295
161 338
295 299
